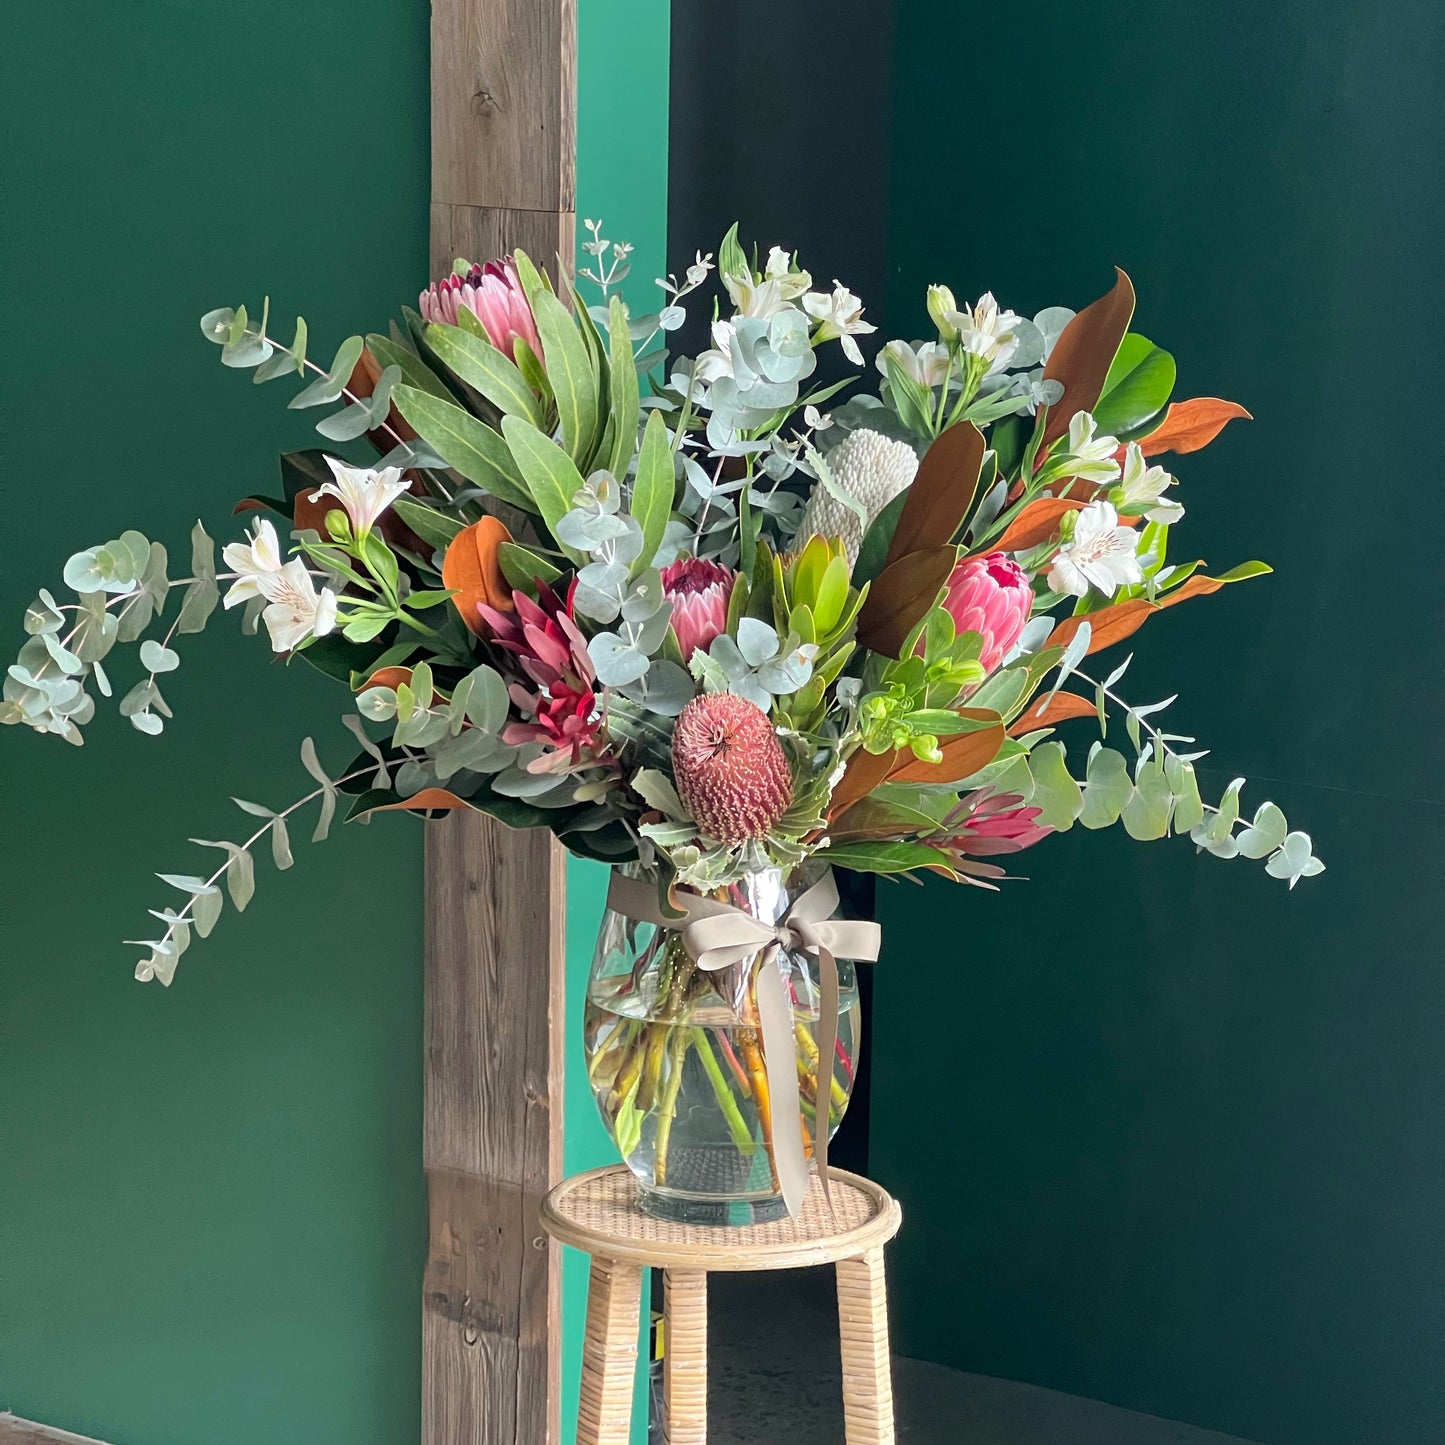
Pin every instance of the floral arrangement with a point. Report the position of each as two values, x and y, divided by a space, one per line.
676 609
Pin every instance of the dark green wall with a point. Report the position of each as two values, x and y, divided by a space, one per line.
1193 1155
212 1217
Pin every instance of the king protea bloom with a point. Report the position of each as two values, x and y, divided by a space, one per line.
699 592
494 295
1101 553
364 492
731 772
560 709
992 597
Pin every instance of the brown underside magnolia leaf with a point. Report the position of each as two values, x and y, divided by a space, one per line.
864 772
1036 524
901 596
963 754
1084 352
429 800
1189 425
1113 624
471 569
942 493
1050 711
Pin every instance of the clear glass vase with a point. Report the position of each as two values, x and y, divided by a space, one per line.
676 1062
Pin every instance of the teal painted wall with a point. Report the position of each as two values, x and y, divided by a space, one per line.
1193 1156
622 102
213 1222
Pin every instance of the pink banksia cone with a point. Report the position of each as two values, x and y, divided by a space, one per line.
991 596
731 773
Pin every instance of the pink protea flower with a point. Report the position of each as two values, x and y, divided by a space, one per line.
986 825
731 772
991 596
699 592
494 295
560 711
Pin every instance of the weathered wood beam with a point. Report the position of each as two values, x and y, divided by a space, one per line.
15 1431
503 176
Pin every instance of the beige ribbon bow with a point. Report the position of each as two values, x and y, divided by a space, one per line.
719 935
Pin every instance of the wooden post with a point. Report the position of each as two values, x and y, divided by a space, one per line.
503 113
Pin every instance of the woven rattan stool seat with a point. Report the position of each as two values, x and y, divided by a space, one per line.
598 1213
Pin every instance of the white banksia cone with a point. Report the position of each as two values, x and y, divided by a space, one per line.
869 466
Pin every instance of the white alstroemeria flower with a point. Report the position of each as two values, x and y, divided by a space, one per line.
252 562
1100 553
1142 486
984 331
780 269
763 299
927 366
295 611
717 363
839 315
364 492
1089 457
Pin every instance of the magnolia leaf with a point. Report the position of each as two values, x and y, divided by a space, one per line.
865 857
902 596
1190 425
941 495
1136 389
1081 358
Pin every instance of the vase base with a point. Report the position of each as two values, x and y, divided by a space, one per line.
714 1213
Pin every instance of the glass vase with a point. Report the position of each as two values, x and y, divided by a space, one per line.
677 1066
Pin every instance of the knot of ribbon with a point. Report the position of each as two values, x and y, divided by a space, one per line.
720 935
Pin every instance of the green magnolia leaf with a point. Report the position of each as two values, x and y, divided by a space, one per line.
653 490
569 365
478 363
623 397
466 445
1136 389
550 474
876 540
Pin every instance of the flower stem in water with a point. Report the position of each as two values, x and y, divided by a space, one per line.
742 1136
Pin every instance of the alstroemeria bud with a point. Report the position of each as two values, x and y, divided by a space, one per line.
940 303
991 596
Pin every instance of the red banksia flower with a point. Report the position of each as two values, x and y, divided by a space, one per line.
731 772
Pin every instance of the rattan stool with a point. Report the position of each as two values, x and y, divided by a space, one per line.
597 1212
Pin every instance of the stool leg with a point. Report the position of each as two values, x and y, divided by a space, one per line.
684 1361
863 1327
609 1353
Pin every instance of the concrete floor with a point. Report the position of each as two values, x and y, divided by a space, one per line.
781 1385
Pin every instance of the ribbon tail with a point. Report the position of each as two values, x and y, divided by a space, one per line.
827 1047
780 1059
